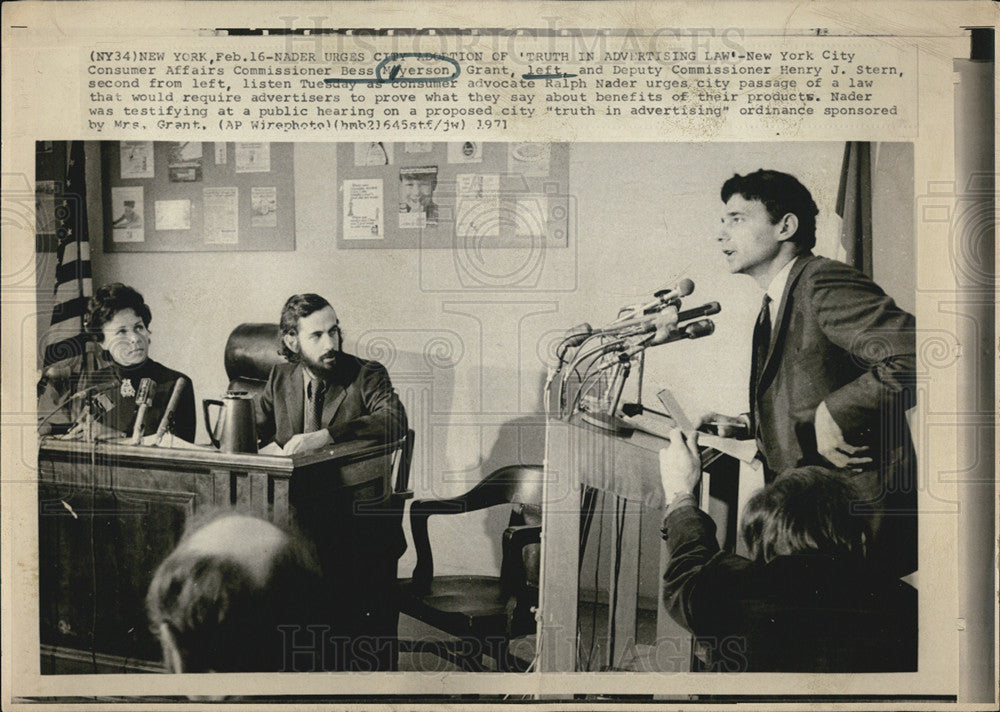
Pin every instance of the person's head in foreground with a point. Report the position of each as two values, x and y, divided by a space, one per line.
231 597
804 511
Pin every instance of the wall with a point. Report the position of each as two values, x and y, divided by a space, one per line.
467 334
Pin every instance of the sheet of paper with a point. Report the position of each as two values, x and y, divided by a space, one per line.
363 210
136 159
222 224
172 214
127 210
264 203
477 209
253 157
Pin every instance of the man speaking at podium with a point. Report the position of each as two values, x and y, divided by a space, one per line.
320 397
832 371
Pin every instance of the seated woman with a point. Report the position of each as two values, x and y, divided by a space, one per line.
105 397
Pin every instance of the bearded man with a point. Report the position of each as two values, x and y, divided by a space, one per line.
320 397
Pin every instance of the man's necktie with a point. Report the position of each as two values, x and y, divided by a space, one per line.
761 343
314 408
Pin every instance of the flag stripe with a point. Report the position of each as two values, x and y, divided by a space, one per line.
68 291
72 309
72 271
67 348
73 251
72 285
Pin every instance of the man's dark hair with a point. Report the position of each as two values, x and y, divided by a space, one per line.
108 301
781 194
806 510
220 619
297 306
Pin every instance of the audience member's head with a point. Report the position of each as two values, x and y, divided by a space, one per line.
219 600
804 511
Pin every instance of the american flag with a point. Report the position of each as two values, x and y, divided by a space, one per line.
65 338
854 205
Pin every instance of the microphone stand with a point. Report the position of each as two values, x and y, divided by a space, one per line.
168 430
609 420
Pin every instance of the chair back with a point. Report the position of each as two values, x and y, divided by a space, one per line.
402 481
518 485
251 353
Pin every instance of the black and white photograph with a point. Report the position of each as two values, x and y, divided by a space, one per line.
652 369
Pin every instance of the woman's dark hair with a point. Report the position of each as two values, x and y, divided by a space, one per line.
805 510
108 301
297 306
781 194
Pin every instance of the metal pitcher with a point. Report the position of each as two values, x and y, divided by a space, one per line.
235 429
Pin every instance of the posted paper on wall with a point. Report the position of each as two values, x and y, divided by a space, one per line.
253 157
127 209
477 209
173 214
136 159
363 210
222 224
264 203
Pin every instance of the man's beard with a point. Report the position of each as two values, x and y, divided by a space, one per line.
322 368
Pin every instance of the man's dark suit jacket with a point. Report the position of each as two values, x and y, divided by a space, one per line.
359 551
360 403
793 614
838 338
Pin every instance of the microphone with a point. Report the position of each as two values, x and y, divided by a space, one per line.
703 310
680 290
144 398
646 318
667 296
99 388
647 323
168 414
576 336
694 330
698 329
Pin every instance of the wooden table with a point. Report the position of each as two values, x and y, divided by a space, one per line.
108 514
582 459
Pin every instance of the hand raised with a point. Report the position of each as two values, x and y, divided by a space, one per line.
680 464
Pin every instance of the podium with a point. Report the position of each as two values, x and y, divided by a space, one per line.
109 513
587 464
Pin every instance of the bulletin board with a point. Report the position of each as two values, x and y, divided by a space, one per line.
170 196
436 195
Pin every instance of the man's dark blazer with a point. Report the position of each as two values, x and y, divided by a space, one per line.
838 338
360 403
358 550
793 614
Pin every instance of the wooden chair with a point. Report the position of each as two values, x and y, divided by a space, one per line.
483 612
